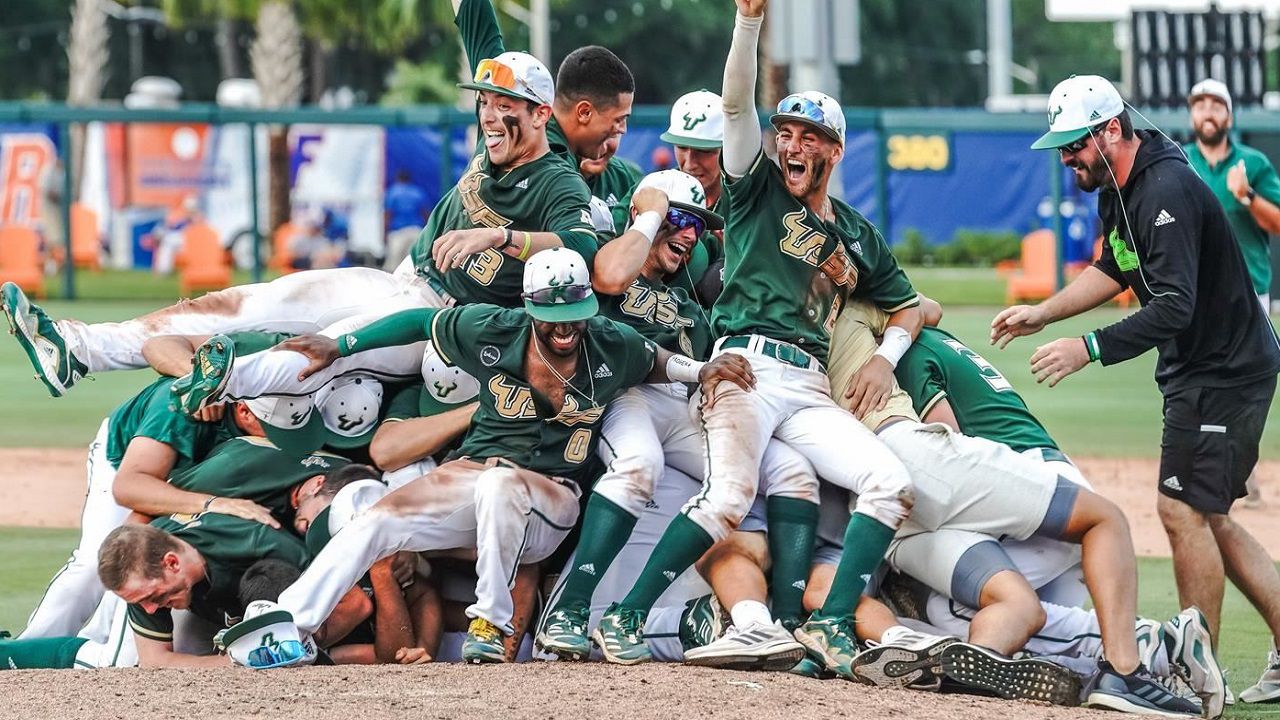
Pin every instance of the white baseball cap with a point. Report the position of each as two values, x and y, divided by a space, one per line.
1210 88
447 383
683 191
517 74
290 422
557 287
349 406
1076 105
697 121
817 109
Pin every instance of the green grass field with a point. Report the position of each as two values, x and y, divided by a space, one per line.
31 556
1111 411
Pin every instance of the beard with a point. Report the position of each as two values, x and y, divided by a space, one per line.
1212 139
1095 175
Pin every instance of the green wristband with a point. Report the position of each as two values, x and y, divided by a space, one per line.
1091 344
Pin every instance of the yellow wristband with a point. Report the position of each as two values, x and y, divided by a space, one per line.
528 245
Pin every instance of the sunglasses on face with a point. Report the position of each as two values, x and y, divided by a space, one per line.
681 219
1078 145
559 294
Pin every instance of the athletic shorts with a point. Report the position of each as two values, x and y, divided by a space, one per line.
1210 443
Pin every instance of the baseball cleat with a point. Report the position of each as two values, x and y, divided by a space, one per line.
755 647
1150 639
45 347
830 640
1025 679
620 636
910 659
1267 689
1191 656
210 368
810 668
564 633
702 622
1138 693
483 643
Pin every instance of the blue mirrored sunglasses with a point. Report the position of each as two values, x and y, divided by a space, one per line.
681 219
558 294
801 105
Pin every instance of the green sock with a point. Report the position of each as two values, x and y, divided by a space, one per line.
792 526
679 548
865 542
605 529
45 653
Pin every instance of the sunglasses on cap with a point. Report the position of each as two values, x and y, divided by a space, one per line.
803 106
492 72
1076 146
558 294
681 219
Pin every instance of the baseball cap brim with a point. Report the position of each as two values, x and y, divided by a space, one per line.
244 627
500 90
583 309
1053 140
304 440
339 441
695 143
777 118
713 220
318 534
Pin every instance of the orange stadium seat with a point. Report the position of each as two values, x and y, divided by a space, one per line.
20 259
1035 279
86 251
203 260
281 258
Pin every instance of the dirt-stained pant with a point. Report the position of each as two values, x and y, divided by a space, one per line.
510 516
649 428
794 405
297 303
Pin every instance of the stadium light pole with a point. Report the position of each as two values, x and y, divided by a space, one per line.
537 17
999 49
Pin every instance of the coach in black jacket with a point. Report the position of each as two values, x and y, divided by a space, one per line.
1167 238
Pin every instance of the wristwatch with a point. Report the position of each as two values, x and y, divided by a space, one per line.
1247 200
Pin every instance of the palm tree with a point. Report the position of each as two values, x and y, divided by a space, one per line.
276 56
87 57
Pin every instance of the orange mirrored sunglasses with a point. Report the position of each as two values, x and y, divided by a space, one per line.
492 72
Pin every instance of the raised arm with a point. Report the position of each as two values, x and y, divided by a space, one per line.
478 26
619 261
741 124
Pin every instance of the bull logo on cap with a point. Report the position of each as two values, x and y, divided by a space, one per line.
298 417
1054 113
442 391
345 424
690 122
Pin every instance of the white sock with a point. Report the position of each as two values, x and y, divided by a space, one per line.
893 633
746 612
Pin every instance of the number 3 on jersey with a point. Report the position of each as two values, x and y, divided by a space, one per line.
989 373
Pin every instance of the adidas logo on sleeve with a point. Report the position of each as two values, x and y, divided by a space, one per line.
1164 218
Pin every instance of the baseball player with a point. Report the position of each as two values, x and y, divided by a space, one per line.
1169 239
968 492
793 255
515 198
423 421
649 427
546 373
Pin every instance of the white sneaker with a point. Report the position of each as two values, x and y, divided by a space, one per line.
1267 689
910 658
1191 656
1150 643
756 647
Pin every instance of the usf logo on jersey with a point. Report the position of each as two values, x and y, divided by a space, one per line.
989 373
477 209
572 413
653 306
801 241
512 401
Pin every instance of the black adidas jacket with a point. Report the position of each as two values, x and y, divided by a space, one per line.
1176 251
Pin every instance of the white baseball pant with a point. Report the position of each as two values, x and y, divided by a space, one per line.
510 516
649 428
662 626
75 591
794 405
298 303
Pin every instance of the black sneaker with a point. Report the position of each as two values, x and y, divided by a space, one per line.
1025 679
1137 693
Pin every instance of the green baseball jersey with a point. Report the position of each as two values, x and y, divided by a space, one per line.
614 187
665 315
540 196
254 469
229 545
148 414
1254 242
514 421
939 366
788 272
